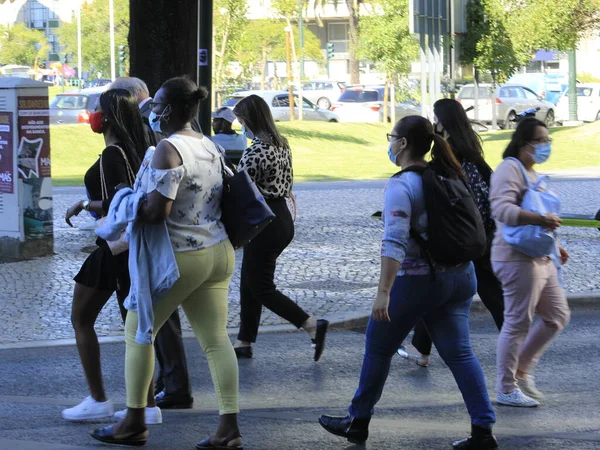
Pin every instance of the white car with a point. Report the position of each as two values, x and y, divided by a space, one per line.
588 103
365 104
279 104
323 92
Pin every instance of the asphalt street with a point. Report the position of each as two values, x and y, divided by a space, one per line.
282 393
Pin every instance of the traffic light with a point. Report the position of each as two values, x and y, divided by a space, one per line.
330 48
122 53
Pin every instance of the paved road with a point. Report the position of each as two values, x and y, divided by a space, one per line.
283 391
331 268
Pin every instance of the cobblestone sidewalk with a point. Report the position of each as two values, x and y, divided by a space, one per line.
331 267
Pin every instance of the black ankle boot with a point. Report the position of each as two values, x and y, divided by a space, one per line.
353 429
480 439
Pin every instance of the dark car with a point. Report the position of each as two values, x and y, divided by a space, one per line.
74 106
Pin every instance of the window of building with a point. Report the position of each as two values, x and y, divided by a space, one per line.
37 14
339 32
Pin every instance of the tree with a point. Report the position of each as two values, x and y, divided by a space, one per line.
163 40
553 24
228 19
488 44
21 45
386 39
354 21
264 40
95 42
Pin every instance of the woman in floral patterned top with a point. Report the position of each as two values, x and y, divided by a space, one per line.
184 189
452 123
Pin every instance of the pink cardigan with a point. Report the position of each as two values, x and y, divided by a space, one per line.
507 188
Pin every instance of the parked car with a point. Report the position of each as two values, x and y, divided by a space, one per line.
588 103
279 104
99 82
510 101
74 106
549 86
323 93
365 104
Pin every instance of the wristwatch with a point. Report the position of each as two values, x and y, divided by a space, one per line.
86 205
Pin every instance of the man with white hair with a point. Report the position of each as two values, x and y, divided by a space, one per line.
172 388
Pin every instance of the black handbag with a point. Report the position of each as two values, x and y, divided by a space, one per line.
244 211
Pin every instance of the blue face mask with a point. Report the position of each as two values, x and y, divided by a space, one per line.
249 134
391 154
542 152
155 120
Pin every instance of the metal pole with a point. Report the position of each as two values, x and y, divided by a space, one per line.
572 86
79 43
205 60
452 50
423 76
301 37
290 76
111 19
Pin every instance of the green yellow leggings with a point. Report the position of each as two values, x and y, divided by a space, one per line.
202 292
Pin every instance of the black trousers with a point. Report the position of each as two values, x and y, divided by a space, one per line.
490 292
173 377
257 284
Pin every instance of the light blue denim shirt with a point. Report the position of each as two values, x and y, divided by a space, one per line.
404 208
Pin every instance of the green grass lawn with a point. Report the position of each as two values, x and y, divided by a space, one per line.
332 151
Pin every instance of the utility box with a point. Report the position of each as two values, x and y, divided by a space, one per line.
26 223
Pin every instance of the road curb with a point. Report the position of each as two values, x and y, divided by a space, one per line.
337 322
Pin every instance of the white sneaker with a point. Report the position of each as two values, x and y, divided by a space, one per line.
527 386
420 360
516 398
153 415
89 409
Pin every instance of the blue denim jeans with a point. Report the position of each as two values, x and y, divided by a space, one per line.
443 304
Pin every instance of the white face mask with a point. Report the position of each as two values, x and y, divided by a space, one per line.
155 120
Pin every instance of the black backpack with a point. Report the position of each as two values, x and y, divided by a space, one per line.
455 230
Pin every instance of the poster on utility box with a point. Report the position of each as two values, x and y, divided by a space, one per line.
33 154
7 184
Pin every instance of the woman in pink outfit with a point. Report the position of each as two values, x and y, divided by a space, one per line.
531 285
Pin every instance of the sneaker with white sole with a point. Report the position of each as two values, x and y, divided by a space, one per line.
420 360
153 415
89 409
528 387
516 398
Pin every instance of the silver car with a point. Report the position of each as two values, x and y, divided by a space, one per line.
279 104
74 106
510 101
323 92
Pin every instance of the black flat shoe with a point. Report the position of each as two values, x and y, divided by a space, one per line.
224 445
243 352
135 439
164 401
319 340
355 430
480 439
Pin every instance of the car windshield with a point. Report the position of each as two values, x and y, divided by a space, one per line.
69 102
359 96
468 92
582 92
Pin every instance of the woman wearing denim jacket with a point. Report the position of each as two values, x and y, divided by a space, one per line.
531 285
408 293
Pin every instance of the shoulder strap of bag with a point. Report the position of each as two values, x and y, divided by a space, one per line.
130 173
104 192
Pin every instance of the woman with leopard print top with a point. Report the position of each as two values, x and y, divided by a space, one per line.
268 161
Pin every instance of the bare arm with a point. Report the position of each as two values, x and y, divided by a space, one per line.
157 207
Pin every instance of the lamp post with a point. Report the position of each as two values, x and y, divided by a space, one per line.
111 19
79 65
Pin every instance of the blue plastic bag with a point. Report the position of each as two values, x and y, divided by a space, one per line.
534 240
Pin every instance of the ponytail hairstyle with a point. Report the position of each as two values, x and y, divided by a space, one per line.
419 134
524 133
184 96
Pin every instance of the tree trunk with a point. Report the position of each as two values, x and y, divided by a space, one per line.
353 69
263 69
220 67
386 99
163 40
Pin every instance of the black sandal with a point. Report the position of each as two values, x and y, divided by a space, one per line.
319 340
223 445
135 439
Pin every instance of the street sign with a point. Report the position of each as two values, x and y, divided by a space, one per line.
203 57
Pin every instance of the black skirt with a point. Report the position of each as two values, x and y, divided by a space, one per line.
104 271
